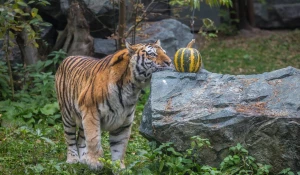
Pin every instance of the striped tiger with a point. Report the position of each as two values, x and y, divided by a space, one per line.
97 95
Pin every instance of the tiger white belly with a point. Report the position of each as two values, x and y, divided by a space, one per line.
118 110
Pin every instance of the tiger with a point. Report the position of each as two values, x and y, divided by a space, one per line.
98 95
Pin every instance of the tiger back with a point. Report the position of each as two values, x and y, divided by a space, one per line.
100 95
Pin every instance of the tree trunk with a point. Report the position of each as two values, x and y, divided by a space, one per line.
76 38
244 23
9 70
245 13
251 13
28 50
235 14
122 23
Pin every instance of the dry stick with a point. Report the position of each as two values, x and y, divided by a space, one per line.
116 42
11 80
251 12
134 29
96 17
122 23
137 23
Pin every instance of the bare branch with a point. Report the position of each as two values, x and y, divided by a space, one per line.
144 15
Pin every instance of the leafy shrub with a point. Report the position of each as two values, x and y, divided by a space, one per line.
35 101
164 159
240 163
287 171
56 58
17 16
4 81
227 27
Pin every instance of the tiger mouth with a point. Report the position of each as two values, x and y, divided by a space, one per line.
159 68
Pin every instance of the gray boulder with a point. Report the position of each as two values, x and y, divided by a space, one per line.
101 15
15 54
103 47
277 14
262 112
58 8
172 34
99 7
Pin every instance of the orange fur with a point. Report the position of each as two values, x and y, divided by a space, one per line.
101 94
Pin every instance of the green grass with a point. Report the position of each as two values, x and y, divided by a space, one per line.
42 149
252 55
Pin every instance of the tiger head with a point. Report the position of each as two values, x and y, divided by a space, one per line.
148 58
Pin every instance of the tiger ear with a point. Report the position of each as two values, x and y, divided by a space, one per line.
129 48
157 42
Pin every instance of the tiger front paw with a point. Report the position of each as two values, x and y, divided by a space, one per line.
72 156
92 162
72 159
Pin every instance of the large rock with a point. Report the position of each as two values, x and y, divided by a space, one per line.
103 47
172 34
262 112
99 7
15 54
159 9
101 15
55 13
277 14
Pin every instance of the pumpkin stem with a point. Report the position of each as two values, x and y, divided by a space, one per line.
190 43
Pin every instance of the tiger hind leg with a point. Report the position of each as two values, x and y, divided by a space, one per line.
92 132
70 136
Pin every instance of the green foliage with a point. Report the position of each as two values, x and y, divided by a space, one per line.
227 3
288 171
164 159
4 81
35 101
227 27
208 25
57 57
15 17
196 3
239 162
18 19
